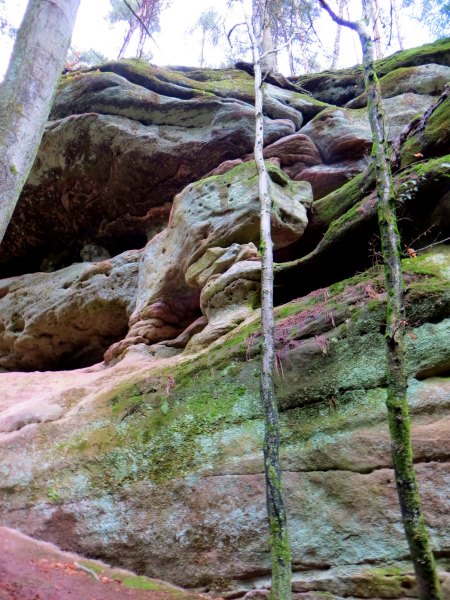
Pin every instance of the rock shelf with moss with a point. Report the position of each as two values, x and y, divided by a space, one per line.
177 447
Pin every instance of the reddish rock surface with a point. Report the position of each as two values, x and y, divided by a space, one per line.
33 570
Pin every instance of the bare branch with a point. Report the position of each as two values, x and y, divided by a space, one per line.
432 245
231 31
279 48
144 26
337 19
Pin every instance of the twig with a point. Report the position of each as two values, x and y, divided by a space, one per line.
432 245
87 570
102 59
279 366
279 48
170 384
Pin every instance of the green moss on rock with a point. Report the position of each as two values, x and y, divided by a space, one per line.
437 52
338 87
430 141
194 416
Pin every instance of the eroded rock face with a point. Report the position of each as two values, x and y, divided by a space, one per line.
162 465
429 136
341 134
215 212
155 461
340 87
335 145
172 127
429 80
104 128
67 318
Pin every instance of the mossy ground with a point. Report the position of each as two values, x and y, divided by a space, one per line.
136 582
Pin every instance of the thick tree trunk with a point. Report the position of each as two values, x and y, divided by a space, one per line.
397 404
269 60
27 91
276 512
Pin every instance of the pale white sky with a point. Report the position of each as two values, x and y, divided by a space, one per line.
176 46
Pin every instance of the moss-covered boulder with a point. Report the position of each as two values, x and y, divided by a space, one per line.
429 79
339 87
345 134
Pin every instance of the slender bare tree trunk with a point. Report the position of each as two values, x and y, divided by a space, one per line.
140 46
27 91
373 15
276 511
397 24
355 43
261 23
127 39
202 49
291 60
337 39
397 405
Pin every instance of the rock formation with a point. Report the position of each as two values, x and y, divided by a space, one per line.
142 210
213 226
66 318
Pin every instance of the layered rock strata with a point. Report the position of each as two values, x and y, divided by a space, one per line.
157 464
154 462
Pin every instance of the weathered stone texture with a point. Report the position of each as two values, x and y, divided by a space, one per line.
154 461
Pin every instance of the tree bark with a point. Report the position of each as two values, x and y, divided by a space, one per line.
262 24
373 16
276 511
397 24
269 60
397 405
27 91
337 39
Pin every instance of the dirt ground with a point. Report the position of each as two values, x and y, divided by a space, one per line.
33 570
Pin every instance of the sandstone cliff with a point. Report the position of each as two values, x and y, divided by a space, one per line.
136 240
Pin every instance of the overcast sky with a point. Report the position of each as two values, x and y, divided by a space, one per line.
175 45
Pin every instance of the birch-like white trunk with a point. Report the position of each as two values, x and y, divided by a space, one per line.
276 511
397 25
27 91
